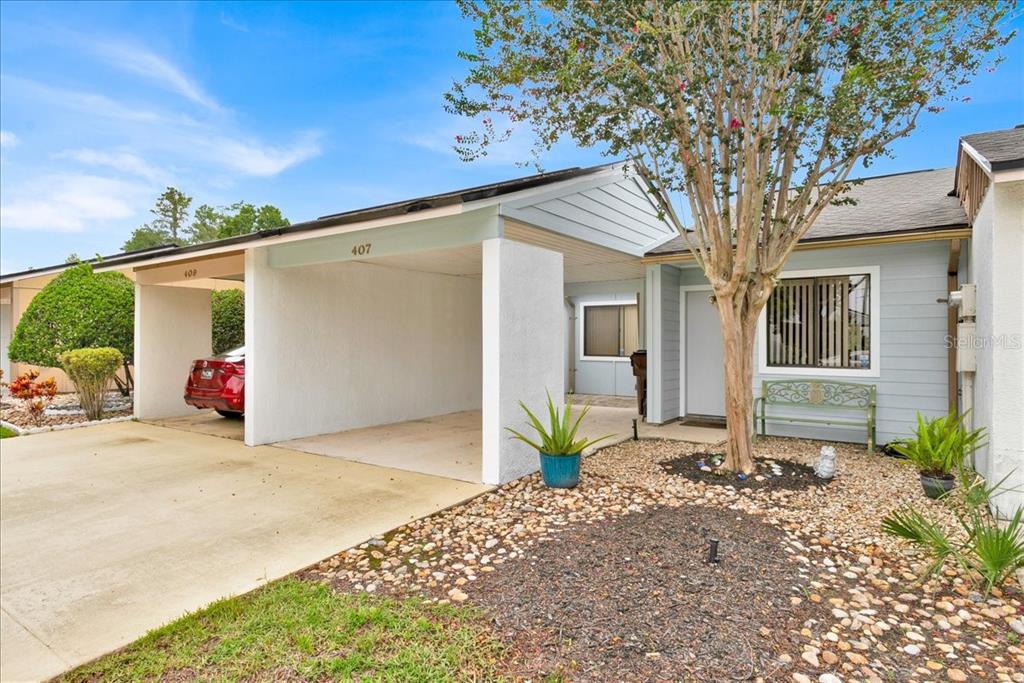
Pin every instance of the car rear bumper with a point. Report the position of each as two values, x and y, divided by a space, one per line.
215 402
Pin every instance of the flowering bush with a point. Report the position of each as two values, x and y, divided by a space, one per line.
37 395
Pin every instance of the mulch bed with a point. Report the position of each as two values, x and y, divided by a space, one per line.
634 599
783 475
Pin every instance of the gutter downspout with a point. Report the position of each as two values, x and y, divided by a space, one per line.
952 285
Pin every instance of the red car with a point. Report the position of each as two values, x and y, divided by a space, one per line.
218 383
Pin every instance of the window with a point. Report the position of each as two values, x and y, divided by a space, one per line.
610 330
820 322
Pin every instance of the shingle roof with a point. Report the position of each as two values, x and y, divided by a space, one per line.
905 202
1002 149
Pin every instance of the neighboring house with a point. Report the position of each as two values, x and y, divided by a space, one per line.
18 289
865 298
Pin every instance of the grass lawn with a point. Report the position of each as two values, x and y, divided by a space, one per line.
294 629
7 433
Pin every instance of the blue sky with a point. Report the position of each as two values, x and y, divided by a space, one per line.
314 107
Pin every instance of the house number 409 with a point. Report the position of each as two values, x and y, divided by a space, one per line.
361 249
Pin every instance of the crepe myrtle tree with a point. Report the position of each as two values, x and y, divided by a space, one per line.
755 112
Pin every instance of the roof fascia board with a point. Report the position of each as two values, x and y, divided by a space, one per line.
1008 176
539 195
976 156
901 238
390 240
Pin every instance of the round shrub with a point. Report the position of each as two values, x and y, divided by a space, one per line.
76 310
228 318
91 370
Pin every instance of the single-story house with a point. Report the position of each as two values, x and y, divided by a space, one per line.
467 302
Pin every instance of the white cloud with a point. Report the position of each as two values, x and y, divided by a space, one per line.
8 139
149 65
121 161
233 23
69 203
83 102
258 159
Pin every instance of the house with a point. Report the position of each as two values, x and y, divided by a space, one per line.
448 310
865 298
443 311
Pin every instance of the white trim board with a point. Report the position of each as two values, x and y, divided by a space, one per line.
876 328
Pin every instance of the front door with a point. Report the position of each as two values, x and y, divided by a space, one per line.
704 381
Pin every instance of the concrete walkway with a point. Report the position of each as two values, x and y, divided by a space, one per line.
107 532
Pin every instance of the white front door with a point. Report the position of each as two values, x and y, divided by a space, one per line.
703 373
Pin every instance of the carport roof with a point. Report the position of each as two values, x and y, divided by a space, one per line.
407 206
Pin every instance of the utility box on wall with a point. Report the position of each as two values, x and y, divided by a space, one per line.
966 357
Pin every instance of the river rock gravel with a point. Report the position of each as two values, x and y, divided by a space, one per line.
846 605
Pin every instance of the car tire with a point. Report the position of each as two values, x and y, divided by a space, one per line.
230 414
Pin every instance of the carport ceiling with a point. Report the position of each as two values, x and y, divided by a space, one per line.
584 262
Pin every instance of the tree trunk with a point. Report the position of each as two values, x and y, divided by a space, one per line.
738 326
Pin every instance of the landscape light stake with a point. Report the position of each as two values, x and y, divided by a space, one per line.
636 437
713 551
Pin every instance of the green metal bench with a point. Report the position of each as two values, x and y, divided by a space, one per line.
817 393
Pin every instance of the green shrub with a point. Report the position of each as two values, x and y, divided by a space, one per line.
986 549
92 371
939 445
77 309
228 317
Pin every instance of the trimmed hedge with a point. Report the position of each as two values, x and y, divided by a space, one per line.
228 317
78 309
92 371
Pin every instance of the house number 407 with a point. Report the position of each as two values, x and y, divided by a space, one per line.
361 249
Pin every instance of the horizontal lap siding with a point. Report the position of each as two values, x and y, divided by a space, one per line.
615 214
913 330
670 336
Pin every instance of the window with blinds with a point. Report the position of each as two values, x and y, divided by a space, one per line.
820 322
611 330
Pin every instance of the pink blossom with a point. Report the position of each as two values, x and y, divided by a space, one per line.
735 123
828 17
458 138
682 85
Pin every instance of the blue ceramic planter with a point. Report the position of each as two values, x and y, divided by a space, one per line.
560 471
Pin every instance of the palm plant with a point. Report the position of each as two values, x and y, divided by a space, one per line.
989 550
560 437
940 445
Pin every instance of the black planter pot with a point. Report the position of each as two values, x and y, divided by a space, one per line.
937 487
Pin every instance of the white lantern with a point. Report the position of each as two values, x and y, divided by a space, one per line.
826 467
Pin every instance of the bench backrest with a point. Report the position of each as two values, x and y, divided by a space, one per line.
818 393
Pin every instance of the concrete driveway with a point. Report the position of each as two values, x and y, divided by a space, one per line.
107 532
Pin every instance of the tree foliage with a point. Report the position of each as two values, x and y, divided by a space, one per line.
755 112
174 224
77 309
228 318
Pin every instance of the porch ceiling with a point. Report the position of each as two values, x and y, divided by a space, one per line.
584 262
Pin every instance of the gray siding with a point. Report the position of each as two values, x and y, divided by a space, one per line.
670 329
610 210
608 377
913 330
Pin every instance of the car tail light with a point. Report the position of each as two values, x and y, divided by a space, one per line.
232 369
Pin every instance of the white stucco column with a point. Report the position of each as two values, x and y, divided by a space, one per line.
523 349
172 329
256 284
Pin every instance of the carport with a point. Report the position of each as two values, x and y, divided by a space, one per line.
403 335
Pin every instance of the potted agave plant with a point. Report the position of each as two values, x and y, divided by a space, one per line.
938 449
558 446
